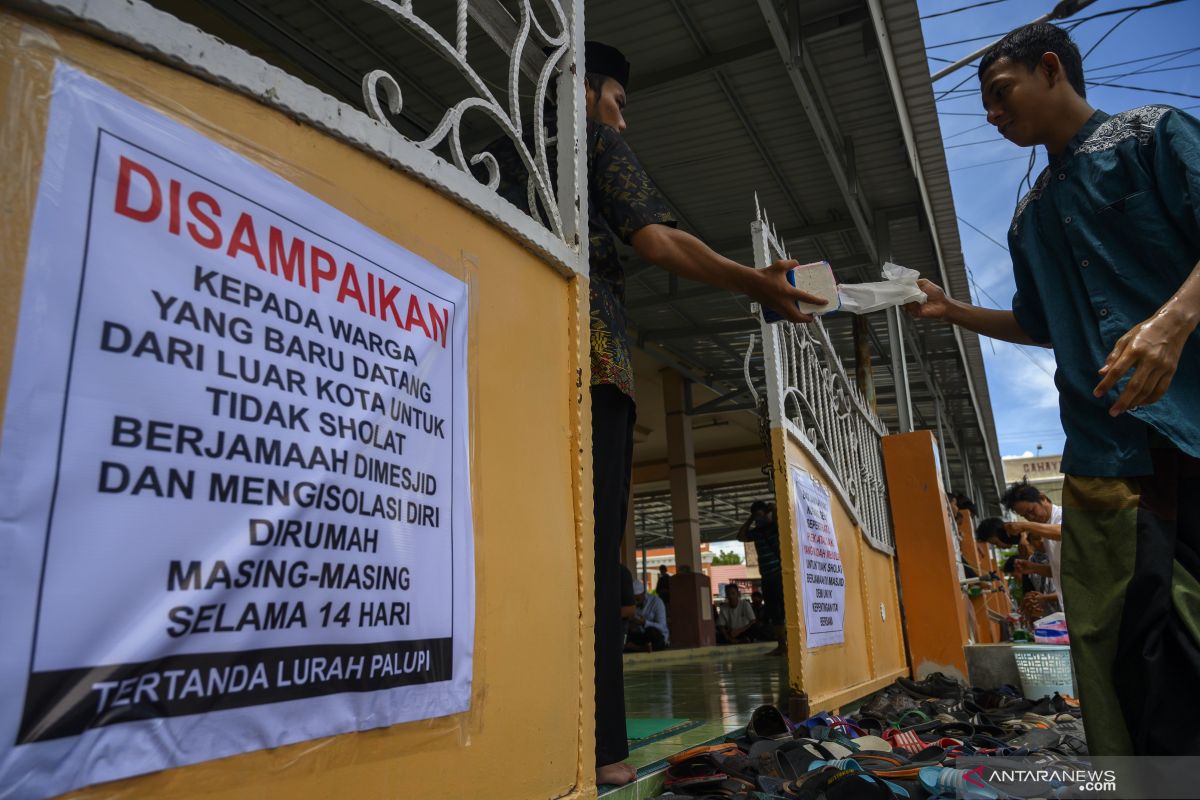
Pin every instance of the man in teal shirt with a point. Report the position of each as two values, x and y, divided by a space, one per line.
1105 252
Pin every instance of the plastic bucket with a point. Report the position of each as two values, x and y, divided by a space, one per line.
1044 669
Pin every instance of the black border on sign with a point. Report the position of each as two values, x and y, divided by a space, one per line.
101 132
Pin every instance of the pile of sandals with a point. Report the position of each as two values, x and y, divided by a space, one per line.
902 742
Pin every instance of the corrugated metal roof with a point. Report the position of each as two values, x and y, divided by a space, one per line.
716 120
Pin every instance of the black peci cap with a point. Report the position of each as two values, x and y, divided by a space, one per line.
606 60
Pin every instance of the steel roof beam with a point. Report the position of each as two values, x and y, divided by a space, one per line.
662 334
769 161
790 234
501 28
789 45
700 67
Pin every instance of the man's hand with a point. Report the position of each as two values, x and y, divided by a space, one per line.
936 304
683 254
1032 605
1151 349
770 287
1016 527
1023 568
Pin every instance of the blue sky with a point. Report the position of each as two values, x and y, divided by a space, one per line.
986 170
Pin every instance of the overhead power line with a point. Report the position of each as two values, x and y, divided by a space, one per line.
964 8
1109 32
1073 23
971 144
1020 348
1144 89
1184 51
1062 11
992 36
984 234
988 163
1146 71
968 130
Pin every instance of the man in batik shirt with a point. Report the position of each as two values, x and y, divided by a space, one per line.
1105 253
624 204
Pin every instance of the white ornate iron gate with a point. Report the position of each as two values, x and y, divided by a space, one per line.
809 396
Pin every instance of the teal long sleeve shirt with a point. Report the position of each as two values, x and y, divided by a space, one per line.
1110 230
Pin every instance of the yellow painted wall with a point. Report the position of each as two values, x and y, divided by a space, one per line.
933 598
529 732
872 654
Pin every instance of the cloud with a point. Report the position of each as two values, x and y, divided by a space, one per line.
1029 371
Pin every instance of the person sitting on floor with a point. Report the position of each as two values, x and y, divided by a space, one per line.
648 628
628 603
737 617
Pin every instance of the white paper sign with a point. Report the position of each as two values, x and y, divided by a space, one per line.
823 583
236 503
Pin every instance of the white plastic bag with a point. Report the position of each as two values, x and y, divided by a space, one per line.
898 287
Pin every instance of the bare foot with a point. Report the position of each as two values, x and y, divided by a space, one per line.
617 774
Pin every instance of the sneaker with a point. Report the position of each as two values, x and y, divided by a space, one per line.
887 704
935 684
1000 701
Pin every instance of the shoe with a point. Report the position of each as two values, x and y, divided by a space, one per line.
935 684
887 704
999 701
768 722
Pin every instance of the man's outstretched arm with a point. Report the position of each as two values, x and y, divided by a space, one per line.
688 257
990 322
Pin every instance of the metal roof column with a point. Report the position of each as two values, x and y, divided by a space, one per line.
900 370
681 463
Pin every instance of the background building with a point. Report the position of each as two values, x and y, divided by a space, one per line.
1043 471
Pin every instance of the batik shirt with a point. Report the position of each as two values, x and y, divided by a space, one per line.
1110 230
621 201
765 536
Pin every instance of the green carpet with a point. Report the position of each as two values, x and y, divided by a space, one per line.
641 732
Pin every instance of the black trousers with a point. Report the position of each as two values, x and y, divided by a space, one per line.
613 414
648 636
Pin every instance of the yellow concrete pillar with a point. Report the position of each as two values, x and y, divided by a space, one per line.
691 594
681 465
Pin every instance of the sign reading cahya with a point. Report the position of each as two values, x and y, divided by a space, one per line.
235 460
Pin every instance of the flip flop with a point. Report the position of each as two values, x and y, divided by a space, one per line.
791 759
874 743
917 713
854 766
871 725
905 741
830 783
694 774
725 748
